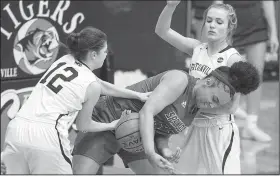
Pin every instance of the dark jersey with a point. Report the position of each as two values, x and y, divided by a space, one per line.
171 120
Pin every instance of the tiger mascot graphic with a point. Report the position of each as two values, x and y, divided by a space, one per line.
36 46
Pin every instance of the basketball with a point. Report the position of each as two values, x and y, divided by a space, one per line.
128 133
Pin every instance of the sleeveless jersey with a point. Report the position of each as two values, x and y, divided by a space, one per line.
172 119
202 65
59 94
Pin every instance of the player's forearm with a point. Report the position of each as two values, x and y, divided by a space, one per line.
164 20
147 131
93 126
269 13
113 90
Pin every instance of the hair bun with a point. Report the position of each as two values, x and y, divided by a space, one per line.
244 77
234 80
73 42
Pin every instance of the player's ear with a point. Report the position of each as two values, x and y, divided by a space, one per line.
93 54
209 81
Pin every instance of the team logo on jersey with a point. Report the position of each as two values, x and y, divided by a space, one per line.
184 103
220 60
36 46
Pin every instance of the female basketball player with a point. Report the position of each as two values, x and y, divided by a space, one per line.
219 24
176 97
255 33
37 138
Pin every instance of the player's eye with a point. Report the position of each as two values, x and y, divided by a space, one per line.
215 99
219 21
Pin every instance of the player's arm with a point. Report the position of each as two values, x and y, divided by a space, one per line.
113 90
164 31
269 14
84 121
169 89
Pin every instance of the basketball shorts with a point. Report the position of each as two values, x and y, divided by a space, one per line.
35 148
101 146
214 147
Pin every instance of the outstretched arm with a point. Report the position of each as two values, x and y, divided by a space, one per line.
170 88
172 37
113 90
84 122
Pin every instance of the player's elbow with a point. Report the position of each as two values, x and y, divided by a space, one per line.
161 32
82 125
158 31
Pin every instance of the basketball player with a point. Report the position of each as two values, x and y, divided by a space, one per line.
222 155
176 98
37 138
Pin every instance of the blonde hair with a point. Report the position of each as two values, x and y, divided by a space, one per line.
232 19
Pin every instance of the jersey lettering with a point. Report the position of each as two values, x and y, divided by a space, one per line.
50 85
175 121
200 67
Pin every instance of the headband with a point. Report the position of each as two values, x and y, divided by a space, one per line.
221 77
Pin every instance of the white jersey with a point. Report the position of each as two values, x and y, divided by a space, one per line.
222 155
202 65
59 94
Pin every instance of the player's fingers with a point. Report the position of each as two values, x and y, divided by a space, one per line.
166 164
175 156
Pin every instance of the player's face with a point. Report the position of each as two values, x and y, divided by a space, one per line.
212 93
101 55
216 24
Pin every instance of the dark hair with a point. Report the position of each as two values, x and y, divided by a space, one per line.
242 76
232 19
89 38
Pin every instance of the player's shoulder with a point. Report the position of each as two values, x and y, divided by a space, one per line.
229 50
176 75
69 59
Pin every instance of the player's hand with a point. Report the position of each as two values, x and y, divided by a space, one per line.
173 2
144 96
171 156
3 168
158 161
273 43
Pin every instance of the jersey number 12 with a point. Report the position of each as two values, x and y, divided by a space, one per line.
50 85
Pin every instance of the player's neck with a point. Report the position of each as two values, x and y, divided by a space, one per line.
87 64
196 86
216 46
